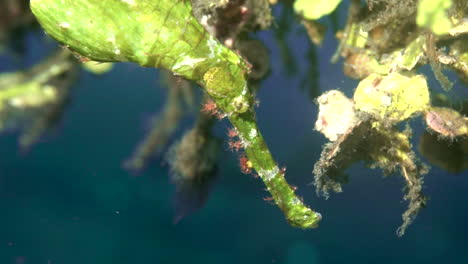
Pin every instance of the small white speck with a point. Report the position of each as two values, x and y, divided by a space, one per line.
267 175
229 42
386 100
64 25
245 89
368 89
253 133
336 114
213 45
111 39
49 90
187 62
296 201
318 215
204 20
129 2
16 102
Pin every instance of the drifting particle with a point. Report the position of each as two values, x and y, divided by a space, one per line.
64 25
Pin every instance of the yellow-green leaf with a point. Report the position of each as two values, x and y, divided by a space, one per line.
315 9
433 14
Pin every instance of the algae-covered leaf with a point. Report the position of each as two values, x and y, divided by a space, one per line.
433 14
337 156
356 37
447 122
412 54
315 9
459 28
391 151
392 98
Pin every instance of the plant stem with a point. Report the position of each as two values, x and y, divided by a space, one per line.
297 214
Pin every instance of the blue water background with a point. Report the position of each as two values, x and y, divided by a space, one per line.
69 201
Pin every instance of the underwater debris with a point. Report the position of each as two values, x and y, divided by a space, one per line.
387 12
447 122
256 54
393 152
445 144
336 114
349 29
165 123
365 131
387 149
315 30
284 22
34 99
446 153
372 41
335 158
227 19
310 82
457 58
401 59
359 62
15 20
192 163
432 54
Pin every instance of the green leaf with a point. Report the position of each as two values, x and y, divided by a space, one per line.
447 122
315 9
433 14
392 98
